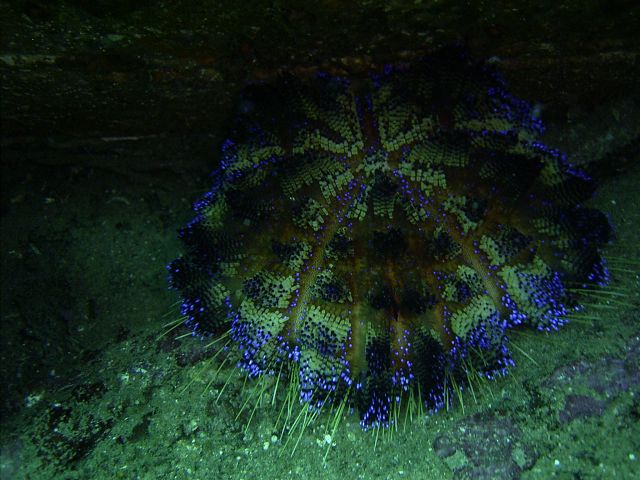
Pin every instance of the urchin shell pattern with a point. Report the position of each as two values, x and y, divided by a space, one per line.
383 234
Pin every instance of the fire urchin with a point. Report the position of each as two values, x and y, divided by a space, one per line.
376 238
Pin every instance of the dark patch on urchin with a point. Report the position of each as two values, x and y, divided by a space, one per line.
389 244
380 296
340 246
441 246
386 233
417 299
284 251
475 209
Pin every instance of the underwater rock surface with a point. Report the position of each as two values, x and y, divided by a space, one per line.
484 447
374 239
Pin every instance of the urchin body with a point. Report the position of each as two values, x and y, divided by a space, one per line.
380 236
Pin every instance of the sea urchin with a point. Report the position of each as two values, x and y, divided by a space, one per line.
379 236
